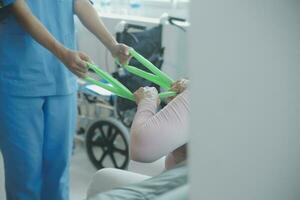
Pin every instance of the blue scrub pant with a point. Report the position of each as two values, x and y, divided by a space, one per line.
36 137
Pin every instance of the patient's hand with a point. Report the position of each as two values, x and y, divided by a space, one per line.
180 85
144 93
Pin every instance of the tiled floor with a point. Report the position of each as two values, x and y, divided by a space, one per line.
81 174
82 171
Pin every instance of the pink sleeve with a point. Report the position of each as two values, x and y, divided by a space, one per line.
154 135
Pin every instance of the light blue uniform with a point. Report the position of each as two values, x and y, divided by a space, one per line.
37 105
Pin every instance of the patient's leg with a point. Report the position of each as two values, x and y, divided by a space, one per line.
110 178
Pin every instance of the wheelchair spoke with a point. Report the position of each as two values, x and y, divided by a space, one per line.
98 142
113 159
120 151
111 133
113 137
110 129
103 133
103 156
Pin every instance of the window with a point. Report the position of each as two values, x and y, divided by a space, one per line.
146 8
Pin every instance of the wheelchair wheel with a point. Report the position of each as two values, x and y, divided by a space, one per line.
107 144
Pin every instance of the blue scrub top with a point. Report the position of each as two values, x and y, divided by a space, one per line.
6 2
27 68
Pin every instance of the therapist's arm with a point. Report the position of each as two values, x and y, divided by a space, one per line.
91 20
75 61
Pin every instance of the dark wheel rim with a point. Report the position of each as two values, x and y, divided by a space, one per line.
107 146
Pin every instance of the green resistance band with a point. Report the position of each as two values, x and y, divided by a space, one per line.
114 85
157 76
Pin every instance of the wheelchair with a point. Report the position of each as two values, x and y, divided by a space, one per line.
106 138
103 118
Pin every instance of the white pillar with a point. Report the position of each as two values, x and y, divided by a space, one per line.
245 71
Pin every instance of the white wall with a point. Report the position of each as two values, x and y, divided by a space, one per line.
175 41
245 68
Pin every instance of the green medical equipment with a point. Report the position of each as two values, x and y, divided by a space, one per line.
157 76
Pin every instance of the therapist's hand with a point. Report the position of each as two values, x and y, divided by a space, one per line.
75 62
121 52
